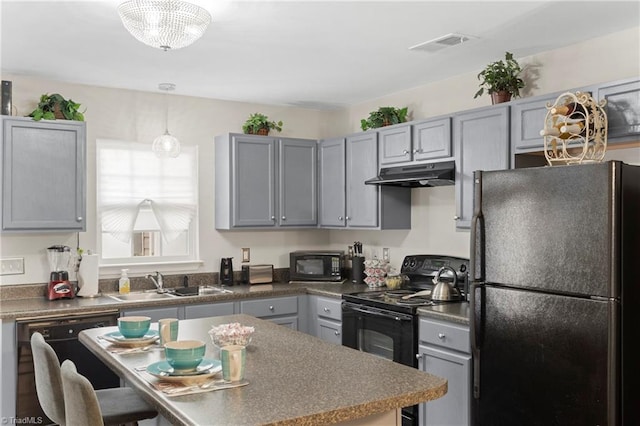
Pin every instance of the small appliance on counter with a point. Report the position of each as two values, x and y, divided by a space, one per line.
257 274
316 265
226 271
59 285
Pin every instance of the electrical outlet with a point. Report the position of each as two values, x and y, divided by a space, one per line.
12 266
246 255
385 254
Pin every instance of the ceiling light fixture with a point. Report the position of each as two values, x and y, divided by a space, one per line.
164 24
166 145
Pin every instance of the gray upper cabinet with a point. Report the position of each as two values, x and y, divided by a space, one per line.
264 182
332 182
622 108
362 164
297 182
414 142
481 139
43 175
345 201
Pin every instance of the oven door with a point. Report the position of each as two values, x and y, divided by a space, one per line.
387 334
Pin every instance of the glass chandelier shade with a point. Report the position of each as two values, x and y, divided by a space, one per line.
164 24
166 145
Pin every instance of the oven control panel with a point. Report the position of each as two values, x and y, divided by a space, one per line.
425 266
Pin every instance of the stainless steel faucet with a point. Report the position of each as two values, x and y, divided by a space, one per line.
157 280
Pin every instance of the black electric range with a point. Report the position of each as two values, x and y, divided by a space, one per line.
420 270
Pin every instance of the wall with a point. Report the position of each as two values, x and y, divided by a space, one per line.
139 116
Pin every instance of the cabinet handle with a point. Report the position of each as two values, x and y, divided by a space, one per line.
417 151
441 336
339 217
271 308
273 218
284 218
418 356
79 219
327 309
405 152
337 333
347 218
456 218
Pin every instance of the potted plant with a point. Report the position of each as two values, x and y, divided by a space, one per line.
501 79
54 106
259 124
384 116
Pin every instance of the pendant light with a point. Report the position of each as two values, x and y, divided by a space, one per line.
166 145
164 24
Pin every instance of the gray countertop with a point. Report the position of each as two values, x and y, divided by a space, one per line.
41 307
294 379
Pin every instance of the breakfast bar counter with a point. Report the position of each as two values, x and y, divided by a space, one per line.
294 379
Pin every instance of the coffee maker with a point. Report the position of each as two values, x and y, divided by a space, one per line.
226 271
59 285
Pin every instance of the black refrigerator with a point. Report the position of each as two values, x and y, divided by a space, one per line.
555 299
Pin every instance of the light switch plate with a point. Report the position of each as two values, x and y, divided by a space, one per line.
12 266
246 255
385 254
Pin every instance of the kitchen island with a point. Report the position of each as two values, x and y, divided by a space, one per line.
294 379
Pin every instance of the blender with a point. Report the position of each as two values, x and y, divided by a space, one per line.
59 261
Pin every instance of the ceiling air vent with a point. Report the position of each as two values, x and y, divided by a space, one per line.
441 42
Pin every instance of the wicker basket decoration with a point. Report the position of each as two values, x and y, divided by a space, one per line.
575 130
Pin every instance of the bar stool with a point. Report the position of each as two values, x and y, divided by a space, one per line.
116 405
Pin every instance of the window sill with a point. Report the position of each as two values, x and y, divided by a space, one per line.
137 269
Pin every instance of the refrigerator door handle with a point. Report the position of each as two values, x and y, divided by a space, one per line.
475 334
477 231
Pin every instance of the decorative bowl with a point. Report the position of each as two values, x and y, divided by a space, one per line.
184 355
134 326
231 334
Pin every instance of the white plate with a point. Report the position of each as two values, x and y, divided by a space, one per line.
117 338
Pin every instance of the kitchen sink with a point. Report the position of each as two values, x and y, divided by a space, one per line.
141 296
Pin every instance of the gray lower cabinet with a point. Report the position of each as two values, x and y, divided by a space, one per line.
325 318
445 351
208 310
265 182
622 108
481 140
345 201
415 142
43 175
280 310
155 313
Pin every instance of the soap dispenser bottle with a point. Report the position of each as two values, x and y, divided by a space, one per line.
124 285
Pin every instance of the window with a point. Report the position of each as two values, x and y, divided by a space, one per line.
146 206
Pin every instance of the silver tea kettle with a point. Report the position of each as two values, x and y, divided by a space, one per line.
444 291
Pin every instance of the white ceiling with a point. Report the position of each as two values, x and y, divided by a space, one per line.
316 54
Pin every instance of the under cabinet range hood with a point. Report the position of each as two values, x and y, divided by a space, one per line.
416 176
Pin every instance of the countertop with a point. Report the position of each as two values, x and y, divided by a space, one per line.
33 307
294 379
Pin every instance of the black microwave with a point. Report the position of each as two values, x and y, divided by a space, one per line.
316 265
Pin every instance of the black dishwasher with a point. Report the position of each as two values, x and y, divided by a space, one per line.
61 333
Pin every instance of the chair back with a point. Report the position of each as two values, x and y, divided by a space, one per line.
80 400
48 380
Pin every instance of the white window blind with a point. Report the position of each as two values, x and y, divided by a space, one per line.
132 182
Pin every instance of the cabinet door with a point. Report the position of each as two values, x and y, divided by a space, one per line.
297 182
254 174
43 175
453 409
362 164
527 119
155 313
330 331
394 144
623 110
332 182
432 139
481 143
208 310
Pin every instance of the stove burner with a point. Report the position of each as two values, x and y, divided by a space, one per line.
398 293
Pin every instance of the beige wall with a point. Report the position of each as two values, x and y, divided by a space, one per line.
139 116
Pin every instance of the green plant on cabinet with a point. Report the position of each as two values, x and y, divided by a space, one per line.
259 124
55 106
384 116
501 76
